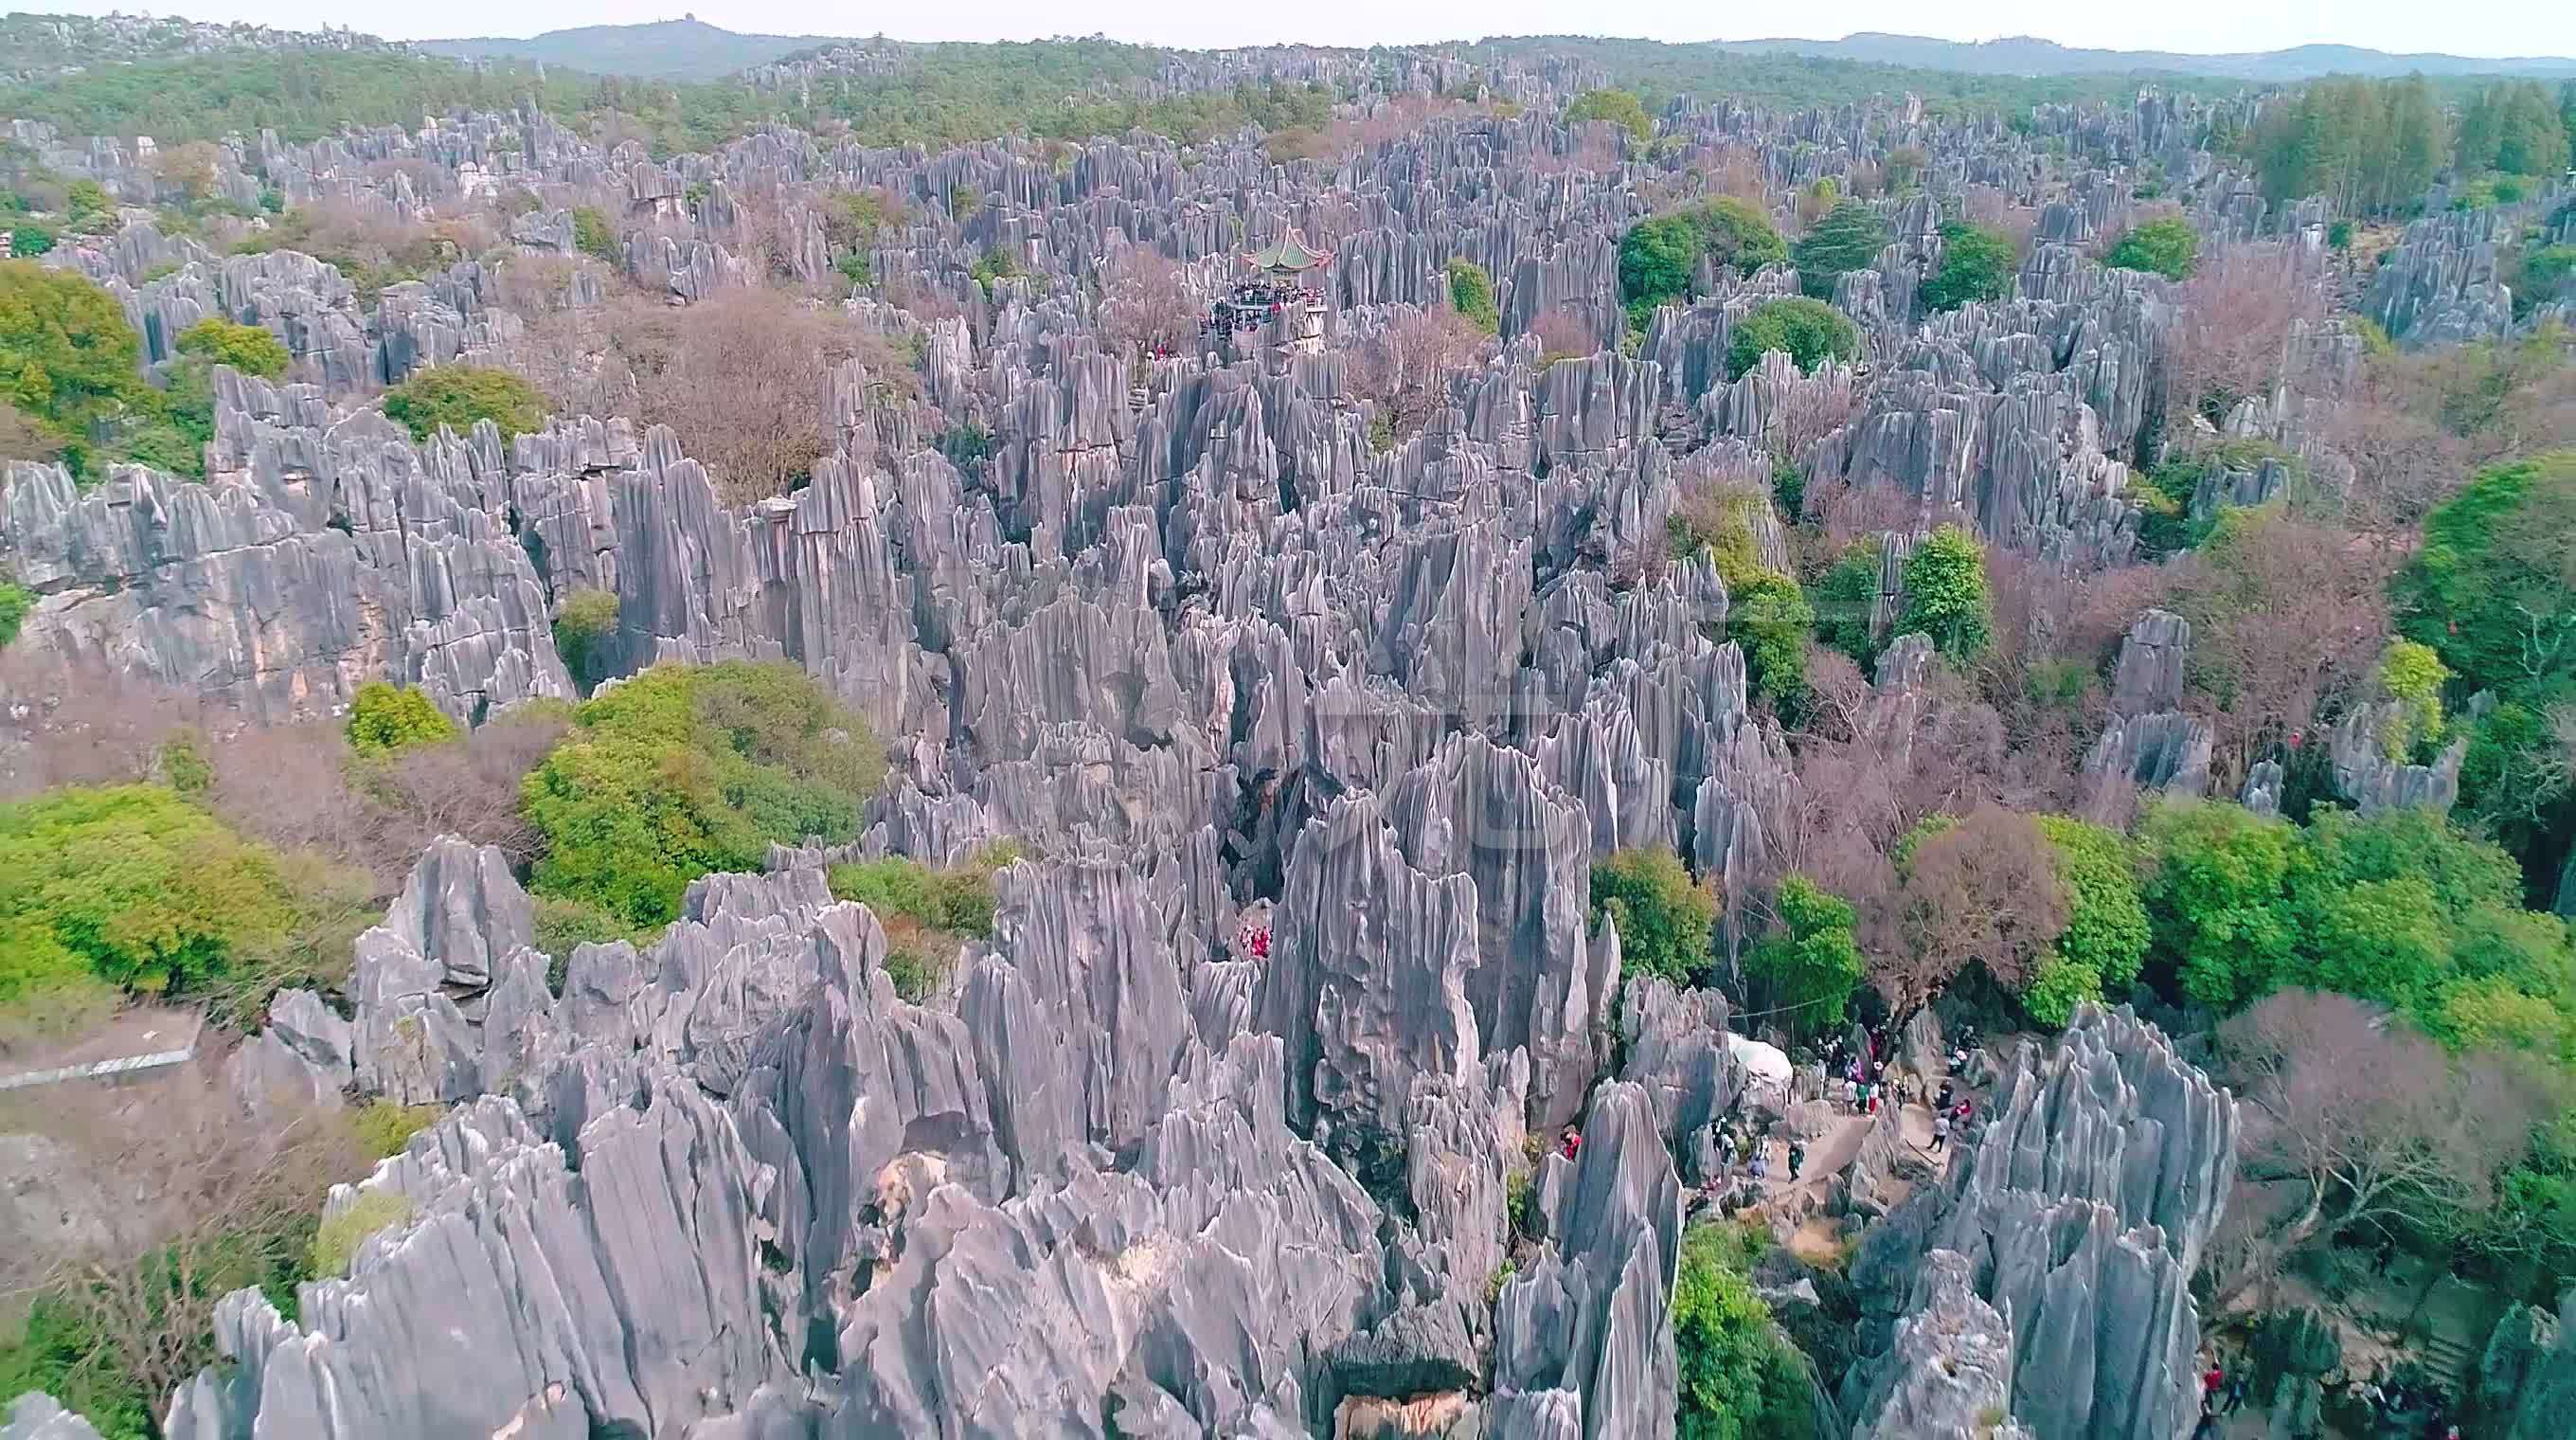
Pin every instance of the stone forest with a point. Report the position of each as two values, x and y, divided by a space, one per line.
1545 739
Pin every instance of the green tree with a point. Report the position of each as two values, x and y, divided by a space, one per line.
2106 921
1812 965
686 770
1658 257
2216 898
1618 107
2411 674
584 633
1768 616
1847 239
1976 264
1740 1377
1471 293
2054 993
385 718
132 885
2492 589
67 355
458 395
2167 247
2368 146
592 235
1664 919
1809 331
1844 598
29 239
1655 261
1946 596
250 349
2514 127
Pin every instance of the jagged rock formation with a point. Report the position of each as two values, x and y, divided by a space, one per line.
40 1417
1227 656
2149 742
2077 1217
2525 1386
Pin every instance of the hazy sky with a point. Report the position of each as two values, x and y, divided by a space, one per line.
2466 27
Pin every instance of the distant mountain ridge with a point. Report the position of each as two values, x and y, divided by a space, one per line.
684 49
2030 56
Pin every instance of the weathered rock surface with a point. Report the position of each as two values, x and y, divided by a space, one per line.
2079 1213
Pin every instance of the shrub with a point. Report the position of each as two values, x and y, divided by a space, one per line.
1471 294
1976 264
132 885
2167 247
1946 596
1844 599
592 235
15 602
457 396
683 771
583 633
563 926
383 1128
335 1244
926 913
1664 919
251 349
1810 331
385 718
1617 107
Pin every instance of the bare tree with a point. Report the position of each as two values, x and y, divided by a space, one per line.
2286 614
739 378
81 723
2374 1125
1406 367
1562 335
1983 891
2232 328
1147 304
206 1200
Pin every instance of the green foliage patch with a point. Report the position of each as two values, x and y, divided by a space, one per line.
1664 918
683 771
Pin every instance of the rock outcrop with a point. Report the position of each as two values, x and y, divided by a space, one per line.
2077 1216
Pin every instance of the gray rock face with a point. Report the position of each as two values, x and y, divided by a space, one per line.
279 594
2152 657
2079 1212
2526 1381
551 1288
1676 1055
1583 1341
37 1416
2374 781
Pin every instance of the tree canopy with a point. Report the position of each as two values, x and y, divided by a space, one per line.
1848 238
1810 332
1664 919
2167 247
1618 107
686 770
458 395
1976 264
